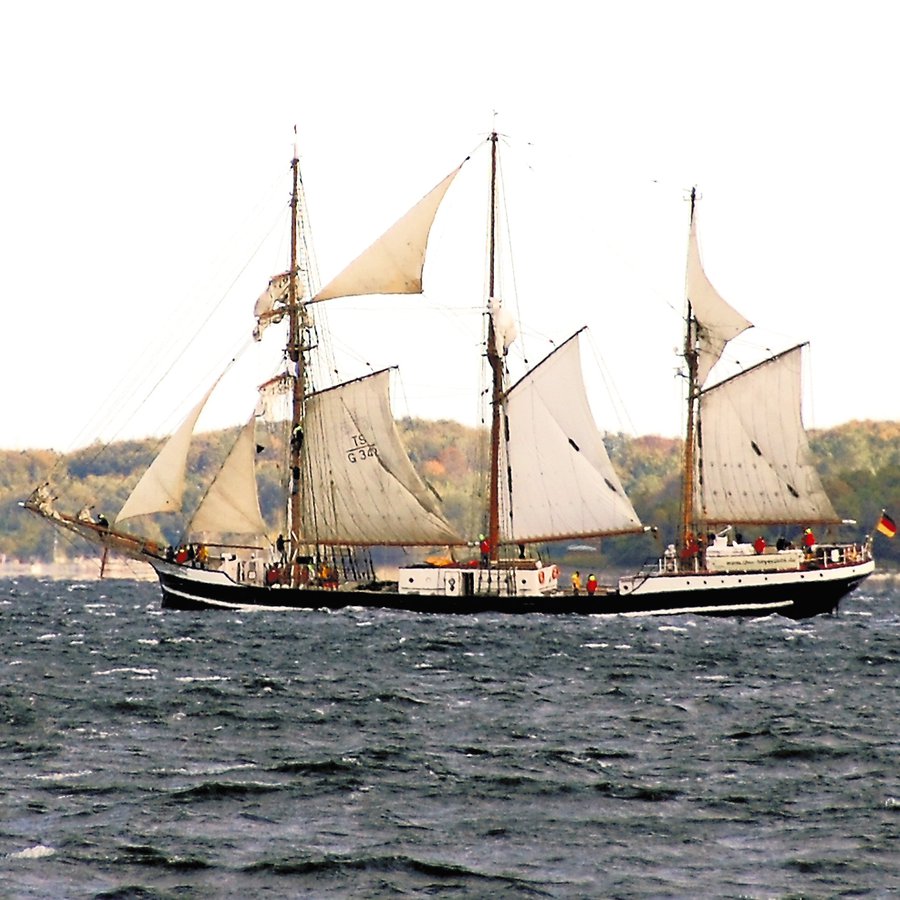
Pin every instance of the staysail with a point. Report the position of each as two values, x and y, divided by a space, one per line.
718 321
359 486
559 475
231 504
756 465
393 264
161 487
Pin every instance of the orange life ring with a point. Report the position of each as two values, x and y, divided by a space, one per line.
554 572
541 576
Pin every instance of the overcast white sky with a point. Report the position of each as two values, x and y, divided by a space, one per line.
141 141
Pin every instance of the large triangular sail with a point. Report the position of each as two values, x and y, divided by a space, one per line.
756 464
559 476
394 263
231 504
161 487
359 486
717 321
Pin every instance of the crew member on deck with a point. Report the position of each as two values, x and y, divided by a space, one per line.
576 582
809 540
591 584
485 550
759 545
669 557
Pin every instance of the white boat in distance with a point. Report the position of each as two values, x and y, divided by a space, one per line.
350 486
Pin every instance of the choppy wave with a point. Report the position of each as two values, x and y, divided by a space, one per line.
366 754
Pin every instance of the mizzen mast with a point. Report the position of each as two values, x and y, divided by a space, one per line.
495 361
688 524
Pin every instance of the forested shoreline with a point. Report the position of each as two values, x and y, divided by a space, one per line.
859 463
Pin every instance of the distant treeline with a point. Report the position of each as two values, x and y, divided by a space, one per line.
859 463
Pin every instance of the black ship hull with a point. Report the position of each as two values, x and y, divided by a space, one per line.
794 594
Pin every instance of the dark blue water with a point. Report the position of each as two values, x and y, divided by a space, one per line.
359 754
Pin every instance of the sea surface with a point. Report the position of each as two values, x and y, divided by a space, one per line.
151 754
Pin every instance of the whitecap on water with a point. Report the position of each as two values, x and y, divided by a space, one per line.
188 679
39 851
128 669
62 776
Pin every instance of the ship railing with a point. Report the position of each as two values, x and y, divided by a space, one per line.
829 556
651 567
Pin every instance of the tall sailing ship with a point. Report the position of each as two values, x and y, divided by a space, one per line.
351 486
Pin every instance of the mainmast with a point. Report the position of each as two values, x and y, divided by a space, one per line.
294 350
496 363
688 523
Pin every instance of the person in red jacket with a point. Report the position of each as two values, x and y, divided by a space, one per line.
485 547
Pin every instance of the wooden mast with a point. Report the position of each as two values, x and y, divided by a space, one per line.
688 524
496 364
296 316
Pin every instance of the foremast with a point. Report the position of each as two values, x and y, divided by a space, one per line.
295 350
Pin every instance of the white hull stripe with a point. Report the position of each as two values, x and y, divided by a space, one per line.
680 610
208 601
735 607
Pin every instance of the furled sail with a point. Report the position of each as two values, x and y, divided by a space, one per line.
718 321
360 487
393 264
505 330
756 465
231 504
562 483
161 487
265 310
276 292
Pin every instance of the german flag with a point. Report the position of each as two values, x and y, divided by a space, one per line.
886 525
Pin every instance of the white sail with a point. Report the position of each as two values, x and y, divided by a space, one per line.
359 485
756 465
393 264
231 504
161 487
561 480
718 321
